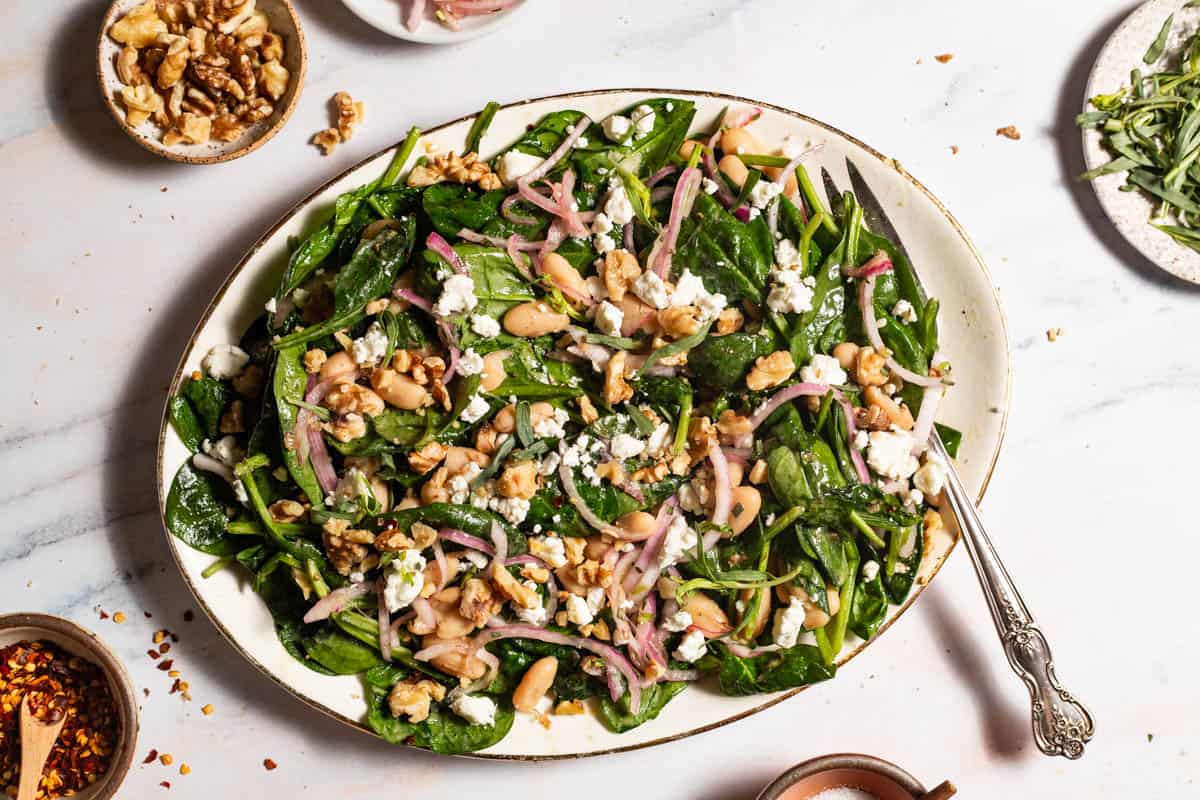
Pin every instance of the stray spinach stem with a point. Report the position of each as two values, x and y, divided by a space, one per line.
816 207
480 126
216 566
866 529
685 421
397 163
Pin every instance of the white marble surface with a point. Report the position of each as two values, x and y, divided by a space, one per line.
109 256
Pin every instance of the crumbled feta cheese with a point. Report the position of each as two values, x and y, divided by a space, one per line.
913 498
679 542
616 127
692 648
581 141
271 306
470 363
370 347
609 319
789 622
458 294
769 520
825 370
404 581
460 484
669 106
763 192
708 186
603 244
513 509
650 289
578 612
532 616
476 558
658 439
595 599
624 446
617 207
602 223
486 327
789 293
861 440
549 549
549 464
515 165
890 454
678 622
870 570
552 427
755 212
225 361
931 477
786 253
643 120
904 311
350 487
901 568
690 291
225 450
474 709
596 287
475 410
689 500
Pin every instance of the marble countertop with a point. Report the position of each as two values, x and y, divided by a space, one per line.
110 254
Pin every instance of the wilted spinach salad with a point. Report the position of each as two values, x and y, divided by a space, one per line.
620 408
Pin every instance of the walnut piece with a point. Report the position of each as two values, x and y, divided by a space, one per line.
349 114
411 699
730 320
771 371
140 27
620 270
679 321
327 140
140 102
350 398
274 78
518 480
513 589
869 367
174 62
451 168
479 603
190 128
127 67
345 548
424 460
616 390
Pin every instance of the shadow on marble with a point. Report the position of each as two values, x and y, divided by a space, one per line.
73 95
1070 153
337 20
1006 728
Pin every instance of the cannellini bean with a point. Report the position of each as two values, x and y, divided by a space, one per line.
564 276
340 361
707 615
746 502
534 318
638 316
535 683
399 390
636 523
739 141
846 353
457 459
493 370
760 618
733 167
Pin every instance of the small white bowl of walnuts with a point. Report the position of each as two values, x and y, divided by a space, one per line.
201 81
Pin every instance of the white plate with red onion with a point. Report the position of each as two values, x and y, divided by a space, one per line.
436 21
973 338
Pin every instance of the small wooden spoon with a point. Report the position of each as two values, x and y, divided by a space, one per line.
37 738
942 791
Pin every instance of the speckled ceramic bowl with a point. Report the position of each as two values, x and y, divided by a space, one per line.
388 16
883 779
284 21
82 642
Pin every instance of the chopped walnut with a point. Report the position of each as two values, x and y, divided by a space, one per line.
771 371
393 540
140 27
349 114
518 480
573 708
702 435
350 398
679 321
587 410
870 367
344 546
619 270
573 547
127 67
513 589
730 320
423 535
434 490
485 439
347 427
232 421
286 511
612 471
271 48
411 699
313 361
453 168
274 78
758 473
174 62
616 390
733 425
897 413
140 102
424 460
479 603
249 383
651 474
535 573
190 128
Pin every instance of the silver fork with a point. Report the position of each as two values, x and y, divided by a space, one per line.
1061 724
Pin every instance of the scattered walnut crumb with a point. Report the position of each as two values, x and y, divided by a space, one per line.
207 709
327 140
166 759
953 149
119 617
943 57
1053 333
1009 132
269 764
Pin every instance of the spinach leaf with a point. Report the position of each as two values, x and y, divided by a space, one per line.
208 397
951 438
618 716
715 246
638 155
373 268
290 381
290 632
828 305
869 607
720 362
195 512
454 206
312 252
786 476
378 682
498 284
899 573
338 653
772 672
185 422
447 733
827 548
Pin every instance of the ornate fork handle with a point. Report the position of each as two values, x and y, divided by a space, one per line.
1061 724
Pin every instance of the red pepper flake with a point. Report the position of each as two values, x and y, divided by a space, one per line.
166 665
154 654
164 648
151 757
165 784
269 764
944 58
56 684
147 614
103 614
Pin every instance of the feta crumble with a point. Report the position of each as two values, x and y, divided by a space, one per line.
552 427
825 370
271 306
904 311
651 290
624 446
515 165
225 361
474 709
870 570
532 616
789 293
616 127
609 319
763 193
404 581
890 454
470 363
786 253
690 291
549 549
708 186
643 120
513 509
618 207
692 648
486 327
658 439
458 294
475 410
789 623
678 622
578 611
370 347
679 542
931 477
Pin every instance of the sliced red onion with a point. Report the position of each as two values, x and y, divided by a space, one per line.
336 601
439 555
742 117
723 494
877 264
512 216
666 515
554 237
321 463
627 238
512 246
439 245
611 655
416 14
739 454
414 298
521 244
866 304
710 539
742 651
773 221
576 500
660 193
473 8
394 628
560 152
665 172
779 398
681 205
681 675
439 648
856 458
455 356
384 619
568 208
923 427
499 542
466 540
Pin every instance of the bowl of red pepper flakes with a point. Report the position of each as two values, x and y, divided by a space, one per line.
65 670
